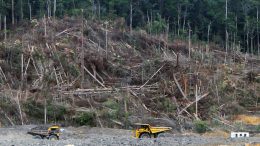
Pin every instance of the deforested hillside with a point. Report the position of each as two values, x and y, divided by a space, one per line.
76 71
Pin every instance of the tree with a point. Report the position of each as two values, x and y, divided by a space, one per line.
13 12
226 22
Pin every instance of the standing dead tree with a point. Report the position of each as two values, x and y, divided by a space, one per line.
0 21
30 10
226 32
5 31
54 8
12 12
82 55
131 17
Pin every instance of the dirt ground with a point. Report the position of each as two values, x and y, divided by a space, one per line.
85 136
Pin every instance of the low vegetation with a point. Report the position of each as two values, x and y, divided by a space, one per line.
201 126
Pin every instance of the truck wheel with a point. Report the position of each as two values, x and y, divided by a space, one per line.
160 135
53 137
163 134
145 135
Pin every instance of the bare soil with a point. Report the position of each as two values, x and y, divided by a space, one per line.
16 136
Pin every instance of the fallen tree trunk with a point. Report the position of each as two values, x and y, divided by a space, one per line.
198 99
151 76
179 87
109 90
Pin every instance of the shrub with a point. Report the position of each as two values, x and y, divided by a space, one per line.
114 107
33 109
234 109
8 106
167 105
36 110
258 128
239 126
201 126
85 118
56 112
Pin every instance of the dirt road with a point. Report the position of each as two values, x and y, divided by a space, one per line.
85 136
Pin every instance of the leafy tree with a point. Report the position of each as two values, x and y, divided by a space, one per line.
242 24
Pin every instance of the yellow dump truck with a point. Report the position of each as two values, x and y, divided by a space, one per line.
49 132
147 131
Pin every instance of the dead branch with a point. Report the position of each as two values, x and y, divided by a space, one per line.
198 99
223 122
56 77
19 106
152 76
58 34
12 123
118 122
3 74
101 125
27 65
94 77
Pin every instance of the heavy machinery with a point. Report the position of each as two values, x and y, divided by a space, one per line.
49 132
147 131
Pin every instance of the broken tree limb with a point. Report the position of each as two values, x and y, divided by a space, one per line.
178 107
196 95
133 93
97 116
146 107
118 122
93 77
179 87
63 32
19 106
99 76
96 74
198 99
11 122
3 74
35 67
56 77
27 65
152 76
9 119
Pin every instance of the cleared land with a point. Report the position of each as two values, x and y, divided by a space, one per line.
110 137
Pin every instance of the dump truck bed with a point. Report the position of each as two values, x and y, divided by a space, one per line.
159 129
39 132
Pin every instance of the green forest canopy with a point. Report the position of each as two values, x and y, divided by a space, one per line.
209 20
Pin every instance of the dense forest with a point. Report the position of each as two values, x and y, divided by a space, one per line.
233 24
